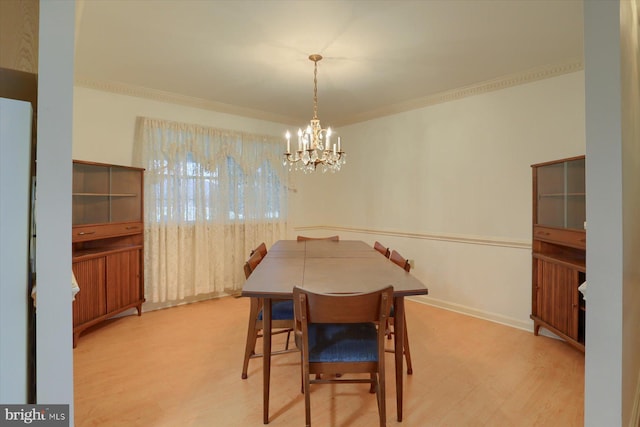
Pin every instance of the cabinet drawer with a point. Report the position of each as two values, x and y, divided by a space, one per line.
572 238
93 232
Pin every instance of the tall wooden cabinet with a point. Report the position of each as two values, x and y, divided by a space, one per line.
107 242
559 248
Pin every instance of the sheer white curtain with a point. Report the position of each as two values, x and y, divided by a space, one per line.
210 196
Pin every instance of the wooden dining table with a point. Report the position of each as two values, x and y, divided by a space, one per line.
329 267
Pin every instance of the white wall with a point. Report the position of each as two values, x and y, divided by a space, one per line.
449 186
104 123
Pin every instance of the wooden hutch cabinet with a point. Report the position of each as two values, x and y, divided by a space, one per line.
107 242
559 249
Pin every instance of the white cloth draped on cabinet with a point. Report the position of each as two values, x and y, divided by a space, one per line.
210 196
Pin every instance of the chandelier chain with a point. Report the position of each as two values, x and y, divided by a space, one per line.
315 90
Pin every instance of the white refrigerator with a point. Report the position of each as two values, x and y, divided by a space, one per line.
15 221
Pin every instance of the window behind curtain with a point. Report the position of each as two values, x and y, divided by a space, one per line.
201 187
211 195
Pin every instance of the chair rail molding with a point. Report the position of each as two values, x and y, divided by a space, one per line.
456 238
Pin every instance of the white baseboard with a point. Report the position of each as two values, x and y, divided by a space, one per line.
152 306
470 311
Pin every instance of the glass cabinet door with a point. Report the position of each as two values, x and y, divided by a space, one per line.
561 195
105 194
125 197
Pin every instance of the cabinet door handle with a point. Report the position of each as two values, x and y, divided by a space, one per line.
83 233
132 227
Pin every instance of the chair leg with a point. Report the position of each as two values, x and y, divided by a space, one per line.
301 375
286 347
381 395
252 335
407 352
307 397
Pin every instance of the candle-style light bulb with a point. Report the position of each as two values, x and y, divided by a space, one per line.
288 136
328 145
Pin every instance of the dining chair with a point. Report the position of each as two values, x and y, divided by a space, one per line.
400 261
262 248
382 249
333 238
342 334
252 263
281 318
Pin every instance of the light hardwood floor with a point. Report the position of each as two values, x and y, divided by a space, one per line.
181 367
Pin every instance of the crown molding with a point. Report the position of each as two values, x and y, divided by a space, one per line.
500 83
174 98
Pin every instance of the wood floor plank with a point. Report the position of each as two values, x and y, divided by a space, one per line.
181 367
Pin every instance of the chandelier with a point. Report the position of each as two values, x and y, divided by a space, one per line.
314 143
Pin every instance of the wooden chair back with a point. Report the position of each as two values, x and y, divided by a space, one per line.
252 263
382 249
343 308
333 238
345 315
400 261
262 248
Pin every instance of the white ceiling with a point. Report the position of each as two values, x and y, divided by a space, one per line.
251 56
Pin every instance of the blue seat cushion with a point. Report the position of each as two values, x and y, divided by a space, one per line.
350 342
280 310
